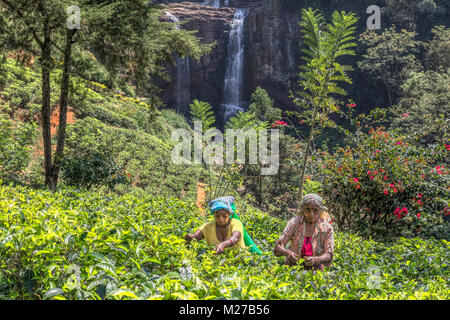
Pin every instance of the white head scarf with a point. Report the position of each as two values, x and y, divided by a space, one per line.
314 199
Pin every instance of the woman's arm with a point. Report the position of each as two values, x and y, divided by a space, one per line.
197 235
235 236
314 261
280 249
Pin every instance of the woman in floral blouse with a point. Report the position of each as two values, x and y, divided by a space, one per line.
310 236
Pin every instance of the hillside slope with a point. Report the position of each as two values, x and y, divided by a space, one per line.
135 137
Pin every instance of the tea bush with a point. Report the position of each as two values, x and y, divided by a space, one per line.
16 141
141 158
75 244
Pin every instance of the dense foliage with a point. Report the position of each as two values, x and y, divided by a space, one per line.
383 185
74 244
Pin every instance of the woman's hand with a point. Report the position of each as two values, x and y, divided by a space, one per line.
312 261
292 258
221 247
189 237
197 235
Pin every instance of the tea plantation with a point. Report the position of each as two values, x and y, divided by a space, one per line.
74 244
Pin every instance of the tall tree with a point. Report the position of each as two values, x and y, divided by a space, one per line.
319 78
389 58
127 36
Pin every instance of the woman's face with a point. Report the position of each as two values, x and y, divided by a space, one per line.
222 217
311 212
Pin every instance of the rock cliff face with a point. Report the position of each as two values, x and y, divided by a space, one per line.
272 46
270 50
272 41
207 75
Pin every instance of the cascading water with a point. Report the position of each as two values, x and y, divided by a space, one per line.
235 65
183 73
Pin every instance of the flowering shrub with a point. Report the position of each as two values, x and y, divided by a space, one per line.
384 185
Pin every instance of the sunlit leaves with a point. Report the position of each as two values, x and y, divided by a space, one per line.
98 251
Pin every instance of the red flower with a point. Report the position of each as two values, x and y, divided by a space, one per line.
395 190
386 192
391 185
385 177
418 215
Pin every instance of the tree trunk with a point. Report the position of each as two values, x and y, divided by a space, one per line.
45 111
63 101
305 158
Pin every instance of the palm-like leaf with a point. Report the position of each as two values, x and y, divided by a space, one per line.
201 111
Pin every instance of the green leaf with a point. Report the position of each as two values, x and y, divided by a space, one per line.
124 293
52 293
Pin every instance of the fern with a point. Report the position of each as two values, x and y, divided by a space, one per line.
201 111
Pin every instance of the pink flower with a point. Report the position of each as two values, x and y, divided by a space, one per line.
355 179
418 215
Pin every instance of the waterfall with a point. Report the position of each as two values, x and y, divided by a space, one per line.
183 72
235 66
